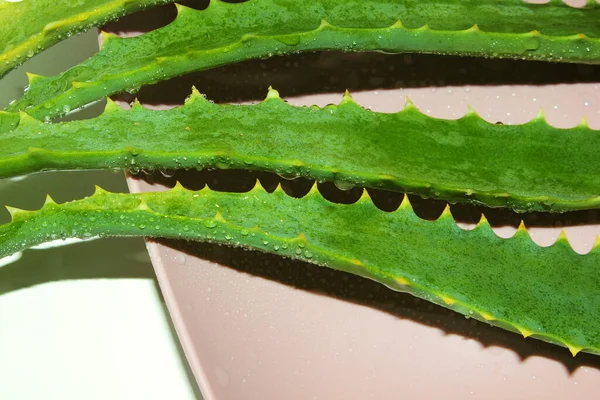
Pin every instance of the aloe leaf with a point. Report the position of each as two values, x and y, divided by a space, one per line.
526 167
30 26
549 293
227 33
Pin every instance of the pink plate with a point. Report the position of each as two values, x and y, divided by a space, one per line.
255 326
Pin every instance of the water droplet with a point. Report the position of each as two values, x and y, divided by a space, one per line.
167 173
532 43
133 89
288 177
290 40
343 185
210 224
222 164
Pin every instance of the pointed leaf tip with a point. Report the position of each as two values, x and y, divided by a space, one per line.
405 204
347 98
143 206
14 211
408 104
525 332
447 213
258 187
423 28
219 217
483 221
195 96
540 116
98 190
26 119
301 238
314 189
136 105
397 25
272 94
111 106
324 25
279 188
596 243
195 93
49 200
562 238
470 111
181 9
106 37
365 196
522 230
31 77
178 186
574 349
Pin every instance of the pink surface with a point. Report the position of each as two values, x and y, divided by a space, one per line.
254 326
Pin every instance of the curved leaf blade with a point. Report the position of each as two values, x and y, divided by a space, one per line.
199 40
30 26
549 293
531 167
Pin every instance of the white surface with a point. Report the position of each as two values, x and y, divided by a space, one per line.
92 339
64 337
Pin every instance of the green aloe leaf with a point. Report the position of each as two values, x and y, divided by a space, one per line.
30 26
226 33
526 167
549 293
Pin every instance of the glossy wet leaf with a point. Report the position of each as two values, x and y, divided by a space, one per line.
30 26
525 167
550 293
226 33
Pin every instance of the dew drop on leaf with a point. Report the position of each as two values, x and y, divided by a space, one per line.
210 224
167 173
